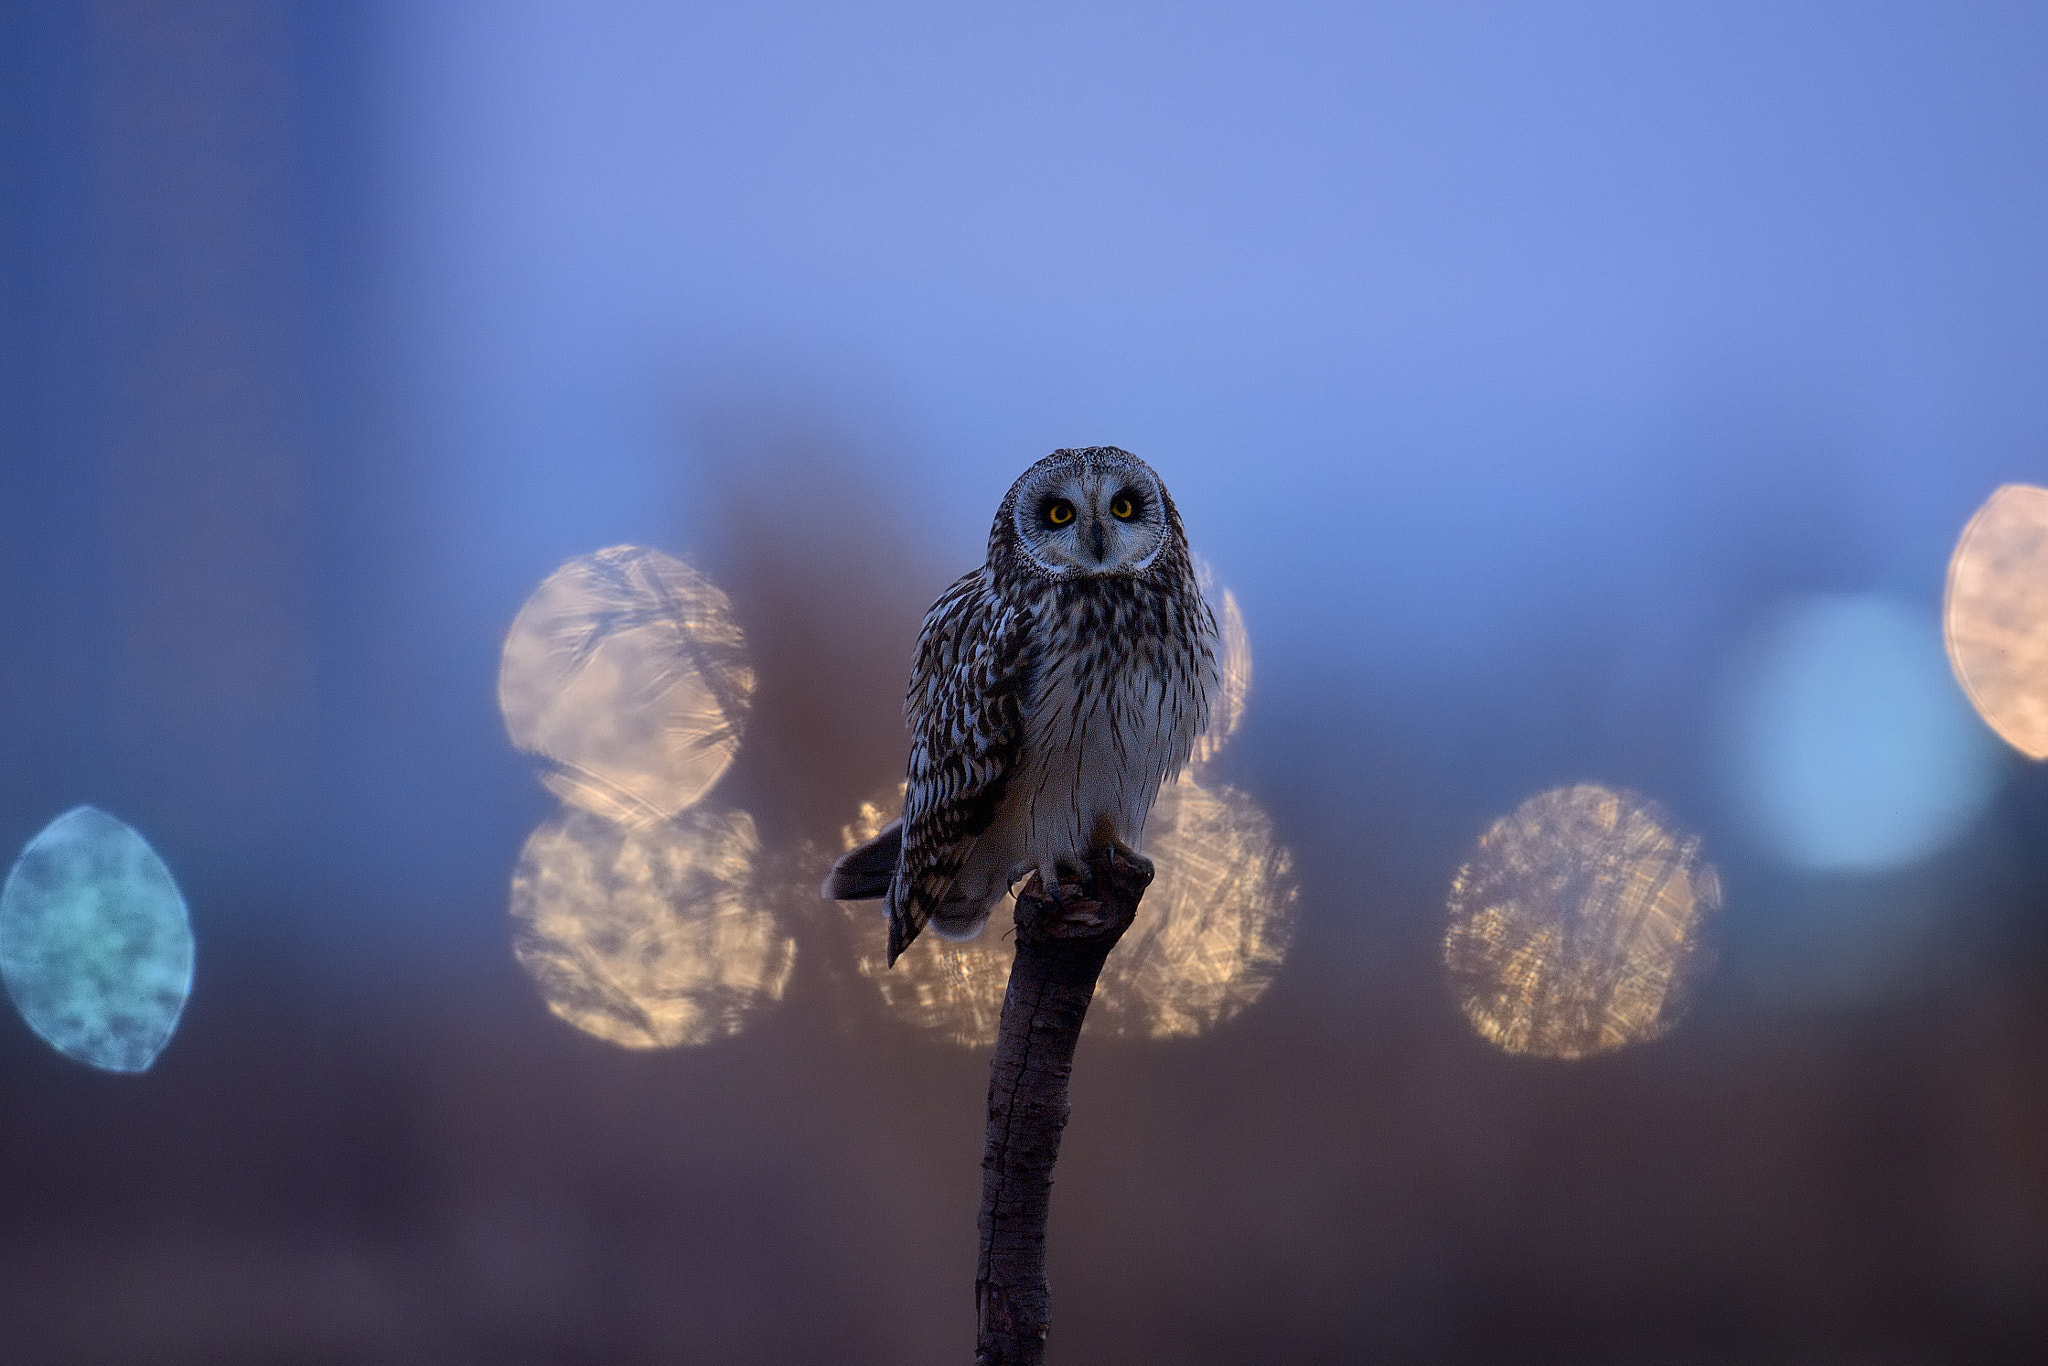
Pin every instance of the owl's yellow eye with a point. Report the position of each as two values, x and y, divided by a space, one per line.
1059 512
1123 509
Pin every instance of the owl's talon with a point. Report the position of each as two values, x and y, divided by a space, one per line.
1134 858
1049 879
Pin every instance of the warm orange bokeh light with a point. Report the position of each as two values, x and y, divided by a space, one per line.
1575 927
635 911
626 674
1214 926
649 936
1996 617
1234 678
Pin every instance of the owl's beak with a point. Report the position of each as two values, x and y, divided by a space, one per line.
1098 541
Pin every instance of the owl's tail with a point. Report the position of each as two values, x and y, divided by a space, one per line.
863 874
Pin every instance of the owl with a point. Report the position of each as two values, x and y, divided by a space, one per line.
1055 688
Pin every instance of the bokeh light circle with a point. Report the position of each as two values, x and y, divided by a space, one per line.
1215 924
1996 615
648 936
626 674
1575 927
95 944
1850 748
1233 677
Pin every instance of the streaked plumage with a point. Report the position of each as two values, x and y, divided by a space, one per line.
1055 688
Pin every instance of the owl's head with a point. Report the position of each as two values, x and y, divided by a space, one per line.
1087 512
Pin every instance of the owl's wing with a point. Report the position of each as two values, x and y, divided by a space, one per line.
968 691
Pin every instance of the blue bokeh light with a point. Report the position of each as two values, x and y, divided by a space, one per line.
95 945
1851 749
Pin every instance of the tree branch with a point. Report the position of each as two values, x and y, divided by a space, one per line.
1061 946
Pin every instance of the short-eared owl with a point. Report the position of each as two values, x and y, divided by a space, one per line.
1056 687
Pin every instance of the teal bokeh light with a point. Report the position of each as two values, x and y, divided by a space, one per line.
95 945
1851 748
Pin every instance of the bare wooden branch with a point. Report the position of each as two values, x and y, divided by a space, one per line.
1061 946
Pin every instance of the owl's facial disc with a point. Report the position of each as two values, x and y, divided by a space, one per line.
1091 520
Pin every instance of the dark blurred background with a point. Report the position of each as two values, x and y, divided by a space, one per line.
1512 365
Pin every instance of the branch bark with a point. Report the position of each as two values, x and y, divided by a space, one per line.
1061 947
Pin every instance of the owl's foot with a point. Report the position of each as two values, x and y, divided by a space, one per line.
1052 874
1060 875
1085 902
1132 857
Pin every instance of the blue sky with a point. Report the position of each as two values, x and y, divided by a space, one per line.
1452 309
